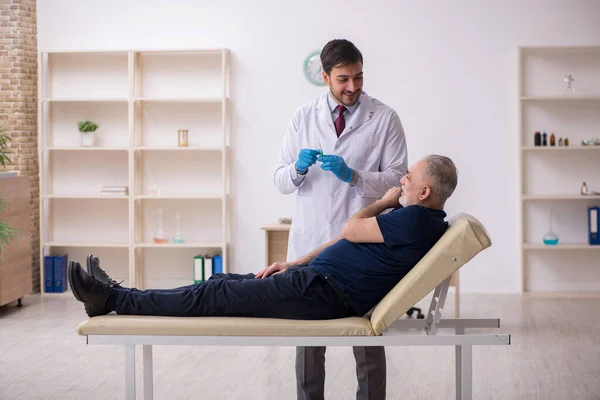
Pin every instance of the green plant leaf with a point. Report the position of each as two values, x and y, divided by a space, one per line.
4 139
87 126
7 234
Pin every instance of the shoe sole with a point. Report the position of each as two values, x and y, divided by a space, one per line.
71 273
88 264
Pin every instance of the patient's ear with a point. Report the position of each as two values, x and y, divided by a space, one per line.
425 193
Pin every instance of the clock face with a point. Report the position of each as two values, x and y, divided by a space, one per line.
313 68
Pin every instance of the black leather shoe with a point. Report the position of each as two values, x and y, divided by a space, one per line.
93 268
91 292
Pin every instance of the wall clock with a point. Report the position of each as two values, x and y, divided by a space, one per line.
313 68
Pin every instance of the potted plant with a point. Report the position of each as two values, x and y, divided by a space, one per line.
87 129
6 232
4 139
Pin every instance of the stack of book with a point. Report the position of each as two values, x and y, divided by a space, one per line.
55 273
114 191
206 266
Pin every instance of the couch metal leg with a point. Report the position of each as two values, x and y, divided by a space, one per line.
129 372
464 372
464 369
458 364
148 374
458 372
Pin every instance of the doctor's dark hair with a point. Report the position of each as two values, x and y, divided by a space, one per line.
444 176
338 53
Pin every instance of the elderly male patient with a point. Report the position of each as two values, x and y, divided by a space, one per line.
346 277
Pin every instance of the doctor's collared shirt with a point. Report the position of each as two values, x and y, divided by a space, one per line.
334 112
296 177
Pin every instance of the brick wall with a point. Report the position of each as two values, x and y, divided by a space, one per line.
18 101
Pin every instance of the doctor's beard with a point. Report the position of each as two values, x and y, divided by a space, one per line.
340 97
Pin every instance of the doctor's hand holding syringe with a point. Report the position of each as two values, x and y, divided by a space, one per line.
330 162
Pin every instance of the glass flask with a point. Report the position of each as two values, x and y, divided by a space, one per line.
159 235
177 238
550 238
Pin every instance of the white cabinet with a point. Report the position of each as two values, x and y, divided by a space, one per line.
140 99
551 176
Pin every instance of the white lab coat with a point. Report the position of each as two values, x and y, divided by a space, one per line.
372 143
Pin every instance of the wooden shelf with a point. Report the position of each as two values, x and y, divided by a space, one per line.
181 99
559 247
79 148
561 148
563 295
212 245
86 244
559 197
551 176
83 99
181 197
533 49
196 148
86 197
140 98
561 98
215 51
276 227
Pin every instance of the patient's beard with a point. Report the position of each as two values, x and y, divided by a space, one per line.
402 201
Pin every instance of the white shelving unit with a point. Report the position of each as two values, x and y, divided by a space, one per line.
551 177
140 99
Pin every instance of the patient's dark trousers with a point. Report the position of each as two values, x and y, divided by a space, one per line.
298 293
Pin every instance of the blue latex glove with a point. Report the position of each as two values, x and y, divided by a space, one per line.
337 165
306 158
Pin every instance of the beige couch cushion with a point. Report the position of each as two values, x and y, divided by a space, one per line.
464 238
113 324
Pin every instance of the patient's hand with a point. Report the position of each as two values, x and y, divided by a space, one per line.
273 269
392 197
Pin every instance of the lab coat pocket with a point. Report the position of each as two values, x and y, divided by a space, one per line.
304 218
365 147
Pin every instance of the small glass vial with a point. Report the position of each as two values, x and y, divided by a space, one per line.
177 238
159 235
182 138
584 188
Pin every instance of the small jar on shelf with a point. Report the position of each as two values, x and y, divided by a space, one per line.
182 138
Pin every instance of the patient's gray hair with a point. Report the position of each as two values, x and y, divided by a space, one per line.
444 176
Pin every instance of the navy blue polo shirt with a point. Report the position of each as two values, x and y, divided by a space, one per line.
366 272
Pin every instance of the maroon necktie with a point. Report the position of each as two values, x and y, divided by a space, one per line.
340 123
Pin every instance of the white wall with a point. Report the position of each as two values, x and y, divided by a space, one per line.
448 68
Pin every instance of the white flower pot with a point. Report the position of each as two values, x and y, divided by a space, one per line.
87 139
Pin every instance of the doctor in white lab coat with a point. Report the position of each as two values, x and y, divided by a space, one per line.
364 155
372 145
